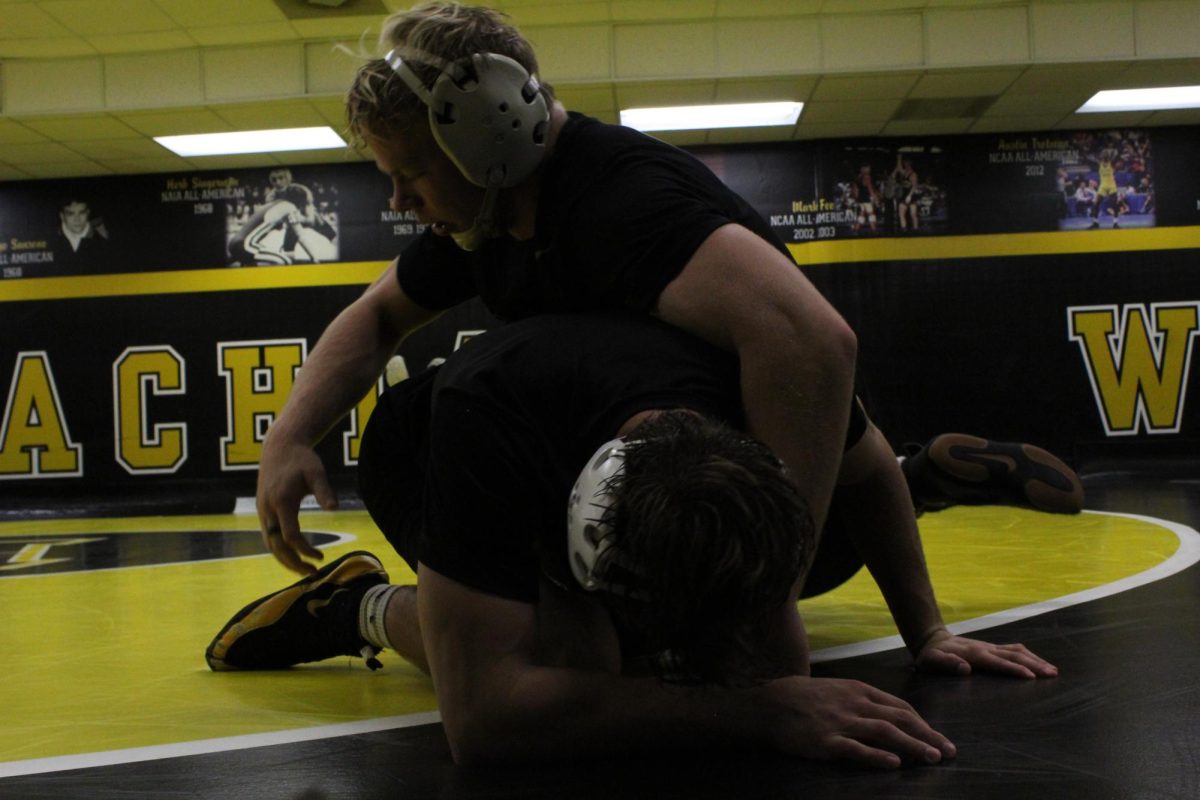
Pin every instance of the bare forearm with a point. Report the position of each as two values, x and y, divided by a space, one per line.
346 362
338 372
877 514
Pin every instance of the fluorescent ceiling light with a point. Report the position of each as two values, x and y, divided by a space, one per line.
1143 99
273 141
691 118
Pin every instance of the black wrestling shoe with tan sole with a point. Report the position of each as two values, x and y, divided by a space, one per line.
313 619
957 469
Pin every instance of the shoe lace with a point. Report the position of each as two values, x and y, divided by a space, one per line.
368 654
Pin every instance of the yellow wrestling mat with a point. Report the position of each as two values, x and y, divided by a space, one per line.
102 657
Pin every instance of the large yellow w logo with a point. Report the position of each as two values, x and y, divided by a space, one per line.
1138 362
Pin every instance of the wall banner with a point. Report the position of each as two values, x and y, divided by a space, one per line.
1038 286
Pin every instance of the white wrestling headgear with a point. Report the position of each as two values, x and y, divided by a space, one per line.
587 532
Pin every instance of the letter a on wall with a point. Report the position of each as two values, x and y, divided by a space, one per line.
34 441
1138 361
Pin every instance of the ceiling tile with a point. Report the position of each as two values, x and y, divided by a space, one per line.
1057 78
683 93
849 111
858 43
1181 116
1017 105
328 69
329 9
1167 28
36 153
768 47
352 28
80 127
1158 73
98 17
193 14
665 51
740 9
245 73
67 169
544 13
658 11
1061 33
103 150
255 33
865 87
172 122
979 36
260 116
867 6
573 52
332 110
763 90
58 47
32 87
149 80
965 83
28 21
141 42
12 132
8 173
588 99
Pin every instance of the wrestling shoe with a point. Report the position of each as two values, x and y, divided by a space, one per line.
313 619
957 469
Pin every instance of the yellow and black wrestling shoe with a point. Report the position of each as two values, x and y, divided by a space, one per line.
313 619
958 469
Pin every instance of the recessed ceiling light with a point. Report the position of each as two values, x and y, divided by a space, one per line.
732 115
271 141
1163 97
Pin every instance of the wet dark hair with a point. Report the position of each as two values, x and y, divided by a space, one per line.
715 533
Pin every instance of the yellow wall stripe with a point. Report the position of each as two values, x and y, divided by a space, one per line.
192 280
933 248
845 251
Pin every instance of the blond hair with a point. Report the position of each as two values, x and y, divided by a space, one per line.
379 102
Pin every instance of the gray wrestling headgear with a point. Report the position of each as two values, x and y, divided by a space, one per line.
587 531
488 116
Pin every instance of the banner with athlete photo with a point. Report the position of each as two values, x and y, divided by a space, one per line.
822 191
324 213
808 192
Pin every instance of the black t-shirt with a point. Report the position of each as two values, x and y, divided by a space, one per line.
619 216
517 411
